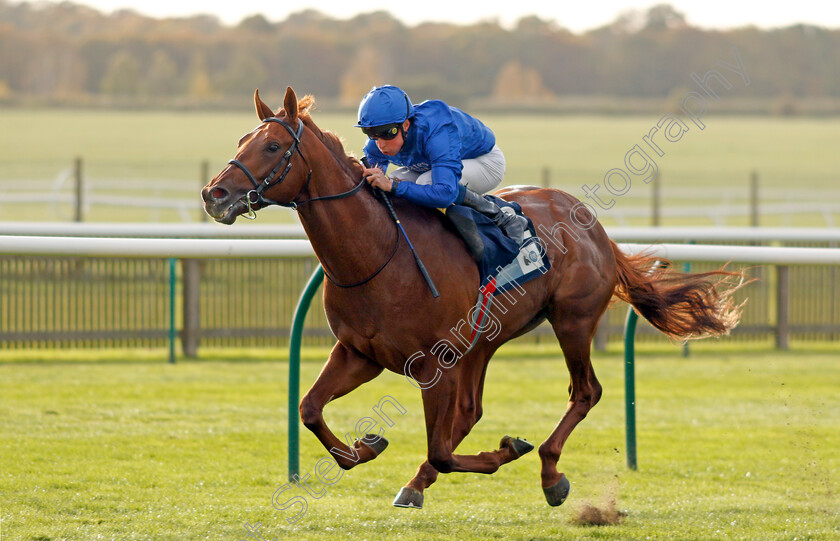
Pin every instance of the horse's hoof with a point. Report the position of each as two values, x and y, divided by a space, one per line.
409 498
520 446
379 445
558 493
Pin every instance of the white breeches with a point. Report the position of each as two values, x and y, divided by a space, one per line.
481 174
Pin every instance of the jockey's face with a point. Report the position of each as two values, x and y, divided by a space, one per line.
390 148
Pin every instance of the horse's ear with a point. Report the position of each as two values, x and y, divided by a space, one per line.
263 110
290 104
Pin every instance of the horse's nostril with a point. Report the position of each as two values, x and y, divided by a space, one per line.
218 193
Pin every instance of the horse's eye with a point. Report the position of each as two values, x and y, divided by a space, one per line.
273 147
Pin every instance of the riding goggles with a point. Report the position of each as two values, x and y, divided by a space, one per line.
386 132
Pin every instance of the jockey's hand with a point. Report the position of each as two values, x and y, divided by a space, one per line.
378 179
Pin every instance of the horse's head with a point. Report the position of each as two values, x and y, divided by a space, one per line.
269 167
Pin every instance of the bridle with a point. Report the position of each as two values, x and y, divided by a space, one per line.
257 195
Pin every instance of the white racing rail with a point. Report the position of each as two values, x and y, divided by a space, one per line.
151 230
243 230
242 248
154 248
772 255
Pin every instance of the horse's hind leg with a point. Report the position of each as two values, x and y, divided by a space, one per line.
575 332
344 371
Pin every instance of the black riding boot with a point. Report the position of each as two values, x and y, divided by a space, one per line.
509 222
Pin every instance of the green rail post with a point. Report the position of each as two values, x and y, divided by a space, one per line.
294 368
172 332
630 385
687 269
630 379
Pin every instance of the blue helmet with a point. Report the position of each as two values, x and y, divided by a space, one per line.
384 105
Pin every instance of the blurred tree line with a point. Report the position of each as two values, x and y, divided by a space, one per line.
70 54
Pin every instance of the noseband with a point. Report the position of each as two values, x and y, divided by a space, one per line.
257 195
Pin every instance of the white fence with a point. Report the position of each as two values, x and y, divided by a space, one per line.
719 214
256 230
64 200
72 188
76 242
242 248
151 230
154 248
771 255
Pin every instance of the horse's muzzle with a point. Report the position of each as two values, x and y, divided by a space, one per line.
221 205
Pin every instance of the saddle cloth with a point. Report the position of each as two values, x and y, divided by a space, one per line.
504 265
503 262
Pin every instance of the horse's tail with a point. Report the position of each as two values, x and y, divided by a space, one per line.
681 305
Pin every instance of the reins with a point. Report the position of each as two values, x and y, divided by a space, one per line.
372 276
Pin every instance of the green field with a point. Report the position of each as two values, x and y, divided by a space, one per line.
787 153
732 445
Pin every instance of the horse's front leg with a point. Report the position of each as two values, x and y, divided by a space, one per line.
467 413
440 404
344 371
411 495
451 410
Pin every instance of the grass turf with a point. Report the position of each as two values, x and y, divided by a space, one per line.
732 445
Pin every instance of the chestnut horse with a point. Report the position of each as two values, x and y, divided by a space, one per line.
385 317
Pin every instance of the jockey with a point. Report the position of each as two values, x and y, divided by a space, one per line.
444 155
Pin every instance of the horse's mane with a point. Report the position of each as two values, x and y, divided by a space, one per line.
330 140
